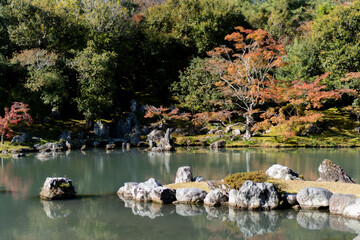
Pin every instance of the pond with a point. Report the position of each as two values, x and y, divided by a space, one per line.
100 214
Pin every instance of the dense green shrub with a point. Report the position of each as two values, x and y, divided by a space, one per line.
236 180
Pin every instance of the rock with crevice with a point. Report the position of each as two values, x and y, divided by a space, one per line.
330 172
162 195
257 196
57 188
165 143
313 198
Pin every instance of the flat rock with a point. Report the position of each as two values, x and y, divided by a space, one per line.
338 202
216 197
257 196
190 195
282 172
313 198
330 172
183 174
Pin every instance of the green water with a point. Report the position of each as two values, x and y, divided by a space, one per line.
100 214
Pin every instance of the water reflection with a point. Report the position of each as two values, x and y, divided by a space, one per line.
55 209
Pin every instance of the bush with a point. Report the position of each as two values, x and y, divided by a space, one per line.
236 180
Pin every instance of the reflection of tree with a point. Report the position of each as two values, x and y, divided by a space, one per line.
13 183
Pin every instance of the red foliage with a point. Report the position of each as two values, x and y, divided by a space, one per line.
17 113
165 114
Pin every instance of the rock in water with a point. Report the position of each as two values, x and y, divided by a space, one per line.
183 174
165 143
190 195
282 172
330 172
352 209
216 197
257 196
57 188
162 195
313 198
338 202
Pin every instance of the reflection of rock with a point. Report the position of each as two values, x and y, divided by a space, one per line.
339 223
261 196
183 174
330 172
189 210
216 212
282 172
57 188
143 209
313 220
311 197
253 223
338 202
55 209
190 195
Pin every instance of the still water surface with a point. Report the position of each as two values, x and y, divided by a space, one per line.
100 214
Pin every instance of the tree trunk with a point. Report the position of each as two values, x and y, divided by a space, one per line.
89 123
2 139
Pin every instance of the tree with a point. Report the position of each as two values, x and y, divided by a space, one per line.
245 70
17 113
96 81
196 90
164 115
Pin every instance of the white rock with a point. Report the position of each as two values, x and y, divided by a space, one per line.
311 197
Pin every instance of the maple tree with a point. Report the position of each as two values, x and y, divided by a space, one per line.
164 114
17 113
245 70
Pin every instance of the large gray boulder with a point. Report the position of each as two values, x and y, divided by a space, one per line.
127 190
57 188
313 198
257 196
338 202
162 195
155 135
183 174
22 138
142 191
190 195
352 209
165 143
216 197
330 172
282 172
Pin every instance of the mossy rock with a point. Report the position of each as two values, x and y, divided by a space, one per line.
236 180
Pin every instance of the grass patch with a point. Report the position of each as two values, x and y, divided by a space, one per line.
200 185
335 187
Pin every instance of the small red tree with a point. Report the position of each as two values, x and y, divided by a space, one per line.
164 114
245 70
17 113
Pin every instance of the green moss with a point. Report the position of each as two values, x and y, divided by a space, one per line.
236 180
